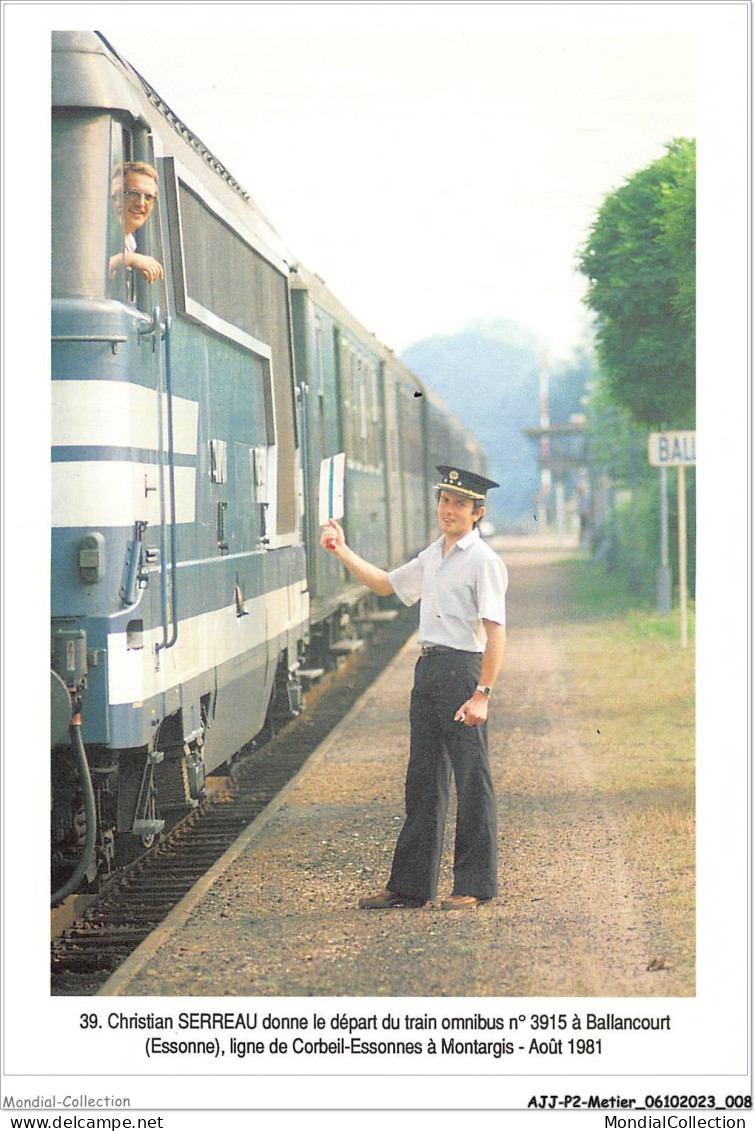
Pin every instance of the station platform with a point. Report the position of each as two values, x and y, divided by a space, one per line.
278 914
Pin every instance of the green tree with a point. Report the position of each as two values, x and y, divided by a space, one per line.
616 443
678 230
640 262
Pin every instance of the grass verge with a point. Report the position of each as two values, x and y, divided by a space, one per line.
633 690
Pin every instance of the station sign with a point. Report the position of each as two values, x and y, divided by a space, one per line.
675 449
672 449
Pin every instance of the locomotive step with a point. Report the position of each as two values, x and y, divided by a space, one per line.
345 647
147 827
311 674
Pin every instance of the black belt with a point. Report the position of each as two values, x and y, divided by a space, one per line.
442 650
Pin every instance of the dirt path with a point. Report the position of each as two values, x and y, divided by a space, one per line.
282 919
563 853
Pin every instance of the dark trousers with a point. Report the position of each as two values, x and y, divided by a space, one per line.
439 746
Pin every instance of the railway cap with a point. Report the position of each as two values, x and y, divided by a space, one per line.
464 482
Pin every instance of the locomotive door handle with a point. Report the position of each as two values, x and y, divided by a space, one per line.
169 614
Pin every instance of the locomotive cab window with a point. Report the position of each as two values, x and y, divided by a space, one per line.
104 239
134 263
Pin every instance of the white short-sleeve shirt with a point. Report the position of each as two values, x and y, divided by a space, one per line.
457 591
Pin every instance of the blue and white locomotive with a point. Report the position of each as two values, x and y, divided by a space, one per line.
190 415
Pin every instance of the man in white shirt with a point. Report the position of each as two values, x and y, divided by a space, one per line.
134 188
461 584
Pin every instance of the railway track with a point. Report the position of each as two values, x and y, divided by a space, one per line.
110 926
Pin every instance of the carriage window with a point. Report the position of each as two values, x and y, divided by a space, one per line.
349 404
362 410
318 362
374 434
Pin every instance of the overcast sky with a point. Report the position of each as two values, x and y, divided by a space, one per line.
434 163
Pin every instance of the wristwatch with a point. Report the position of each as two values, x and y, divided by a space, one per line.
485 690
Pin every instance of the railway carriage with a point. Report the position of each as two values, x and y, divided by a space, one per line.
412 515
356 397
189 417
447 442
339 380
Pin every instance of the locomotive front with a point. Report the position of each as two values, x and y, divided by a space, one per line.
179 601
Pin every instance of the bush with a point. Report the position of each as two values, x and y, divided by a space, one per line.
637 553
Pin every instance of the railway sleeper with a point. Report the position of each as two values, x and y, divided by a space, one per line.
108 940
92 963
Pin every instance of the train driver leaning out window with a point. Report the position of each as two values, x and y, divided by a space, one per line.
133 190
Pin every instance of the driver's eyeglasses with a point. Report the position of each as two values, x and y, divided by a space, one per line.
147 197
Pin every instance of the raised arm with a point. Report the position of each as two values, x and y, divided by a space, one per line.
333 540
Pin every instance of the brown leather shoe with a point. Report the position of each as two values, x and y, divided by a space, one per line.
461 903
384 899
